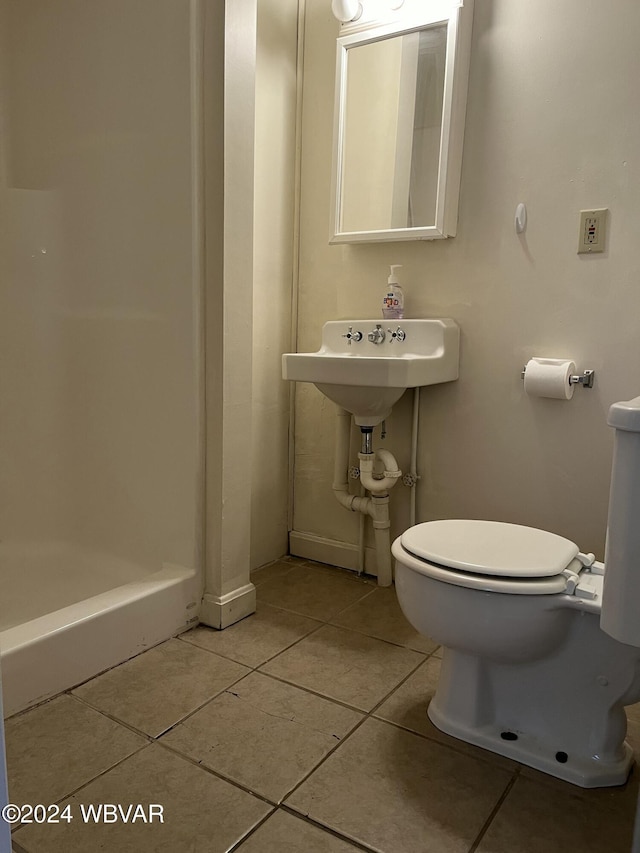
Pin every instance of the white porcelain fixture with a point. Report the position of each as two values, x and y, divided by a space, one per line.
365 365
528 670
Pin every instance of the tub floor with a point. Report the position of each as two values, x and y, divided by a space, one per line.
301 728
42 577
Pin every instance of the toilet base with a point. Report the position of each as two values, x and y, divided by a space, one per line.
562 714
527 749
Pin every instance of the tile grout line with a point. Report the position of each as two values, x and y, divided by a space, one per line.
311 692
218 775
425 655
366 715
451 746
275 655
324 758
320 570
400 683
236 845
326 829
154 738
90 781
512 781
149 738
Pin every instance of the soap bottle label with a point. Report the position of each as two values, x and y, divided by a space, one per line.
392 308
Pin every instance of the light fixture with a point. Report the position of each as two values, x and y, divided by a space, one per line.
346 10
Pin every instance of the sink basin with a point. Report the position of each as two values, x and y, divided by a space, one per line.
367 378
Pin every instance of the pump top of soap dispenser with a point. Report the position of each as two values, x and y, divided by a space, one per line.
392 278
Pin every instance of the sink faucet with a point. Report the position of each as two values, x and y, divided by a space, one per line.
376 336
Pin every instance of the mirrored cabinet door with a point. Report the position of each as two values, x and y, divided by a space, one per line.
399 124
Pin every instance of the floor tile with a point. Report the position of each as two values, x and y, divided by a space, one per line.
535 819
282 833
633 727
379 615
370 580
317 593
200 812
156 689
263 734
59 746
568 791
277 569
401 793
407 707
344 665
257 638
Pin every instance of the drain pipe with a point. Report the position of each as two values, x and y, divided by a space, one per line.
379 487
377 506
374 484
341 465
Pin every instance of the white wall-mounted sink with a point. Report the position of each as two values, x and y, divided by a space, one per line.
366 378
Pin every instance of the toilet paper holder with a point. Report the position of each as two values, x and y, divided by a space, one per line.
586 380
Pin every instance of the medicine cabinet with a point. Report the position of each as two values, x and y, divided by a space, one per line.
400 102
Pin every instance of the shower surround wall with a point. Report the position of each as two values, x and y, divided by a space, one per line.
98 310
536 132
111 114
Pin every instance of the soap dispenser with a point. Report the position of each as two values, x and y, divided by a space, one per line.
393 302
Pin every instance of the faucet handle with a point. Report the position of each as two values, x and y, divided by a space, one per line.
352 336
398 335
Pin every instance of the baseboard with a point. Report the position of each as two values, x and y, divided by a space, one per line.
220 611
331 551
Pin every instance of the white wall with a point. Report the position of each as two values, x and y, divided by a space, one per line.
98 414
274 235
371 137
552 120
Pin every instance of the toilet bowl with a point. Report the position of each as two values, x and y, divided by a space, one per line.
541 643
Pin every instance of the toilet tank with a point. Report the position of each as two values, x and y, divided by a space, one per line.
620 616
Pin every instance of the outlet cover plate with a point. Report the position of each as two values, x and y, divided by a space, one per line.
593 231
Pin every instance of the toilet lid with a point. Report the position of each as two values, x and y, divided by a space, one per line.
490 548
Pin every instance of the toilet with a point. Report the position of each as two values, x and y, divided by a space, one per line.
541 642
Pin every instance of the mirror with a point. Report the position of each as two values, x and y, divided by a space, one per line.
399 125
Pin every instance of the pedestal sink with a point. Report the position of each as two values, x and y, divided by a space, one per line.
365 365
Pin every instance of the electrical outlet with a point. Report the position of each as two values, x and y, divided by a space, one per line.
593 231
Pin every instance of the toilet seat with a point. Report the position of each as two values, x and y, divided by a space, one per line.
492 556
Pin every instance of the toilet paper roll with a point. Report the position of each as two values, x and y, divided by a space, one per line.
549 377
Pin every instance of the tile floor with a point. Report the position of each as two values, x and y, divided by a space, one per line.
302 729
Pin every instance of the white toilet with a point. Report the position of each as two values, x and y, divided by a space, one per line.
541 644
